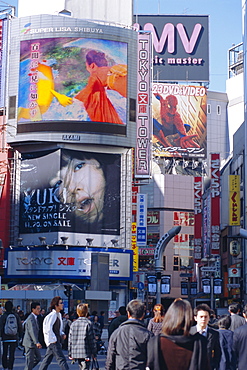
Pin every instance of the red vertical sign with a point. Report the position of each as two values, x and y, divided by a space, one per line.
215 203
197 219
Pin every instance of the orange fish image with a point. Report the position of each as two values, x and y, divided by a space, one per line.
45 93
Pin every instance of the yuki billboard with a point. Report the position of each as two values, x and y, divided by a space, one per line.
70 191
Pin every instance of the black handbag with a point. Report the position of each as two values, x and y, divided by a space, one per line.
94 364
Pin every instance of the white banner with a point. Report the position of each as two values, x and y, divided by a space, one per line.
65 263
141 220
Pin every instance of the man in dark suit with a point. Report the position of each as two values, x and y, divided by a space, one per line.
240 343
236 320
31 338
201 316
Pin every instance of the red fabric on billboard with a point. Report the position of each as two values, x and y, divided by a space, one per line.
96 102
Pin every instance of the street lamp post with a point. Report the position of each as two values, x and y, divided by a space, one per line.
158 257
210 262
212 290
188 276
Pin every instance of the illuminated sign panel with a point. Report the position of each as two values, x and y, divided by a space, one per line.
179 120
72 79
142 151
141 220
70 191
3 57
198 219
66 263
181 46
234 200
215 203
134 248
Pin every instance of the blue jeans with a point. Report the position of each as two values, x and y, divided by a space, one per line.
54 349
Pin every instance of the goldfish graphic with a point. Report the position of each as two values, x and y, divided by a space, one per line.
45 89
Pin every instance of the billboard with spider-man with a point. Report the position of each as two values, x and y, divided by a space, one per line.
179 120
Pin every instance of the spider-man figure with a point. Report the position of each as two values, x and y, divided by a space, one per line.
172 124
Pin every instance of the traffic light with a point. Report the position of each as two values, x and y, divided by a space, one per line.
68 290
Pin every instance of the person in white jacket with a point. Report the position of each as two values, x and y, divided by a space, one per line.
53 335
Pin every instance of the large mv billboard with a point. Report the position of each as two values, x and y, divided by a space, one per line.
70 191
181 46
179 120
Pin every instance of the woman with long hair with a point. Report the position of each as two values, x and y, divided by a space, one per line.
155 324
175 348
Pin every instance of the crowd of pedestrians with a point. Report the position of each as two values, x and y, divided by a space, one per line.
170 341
179 339
55 331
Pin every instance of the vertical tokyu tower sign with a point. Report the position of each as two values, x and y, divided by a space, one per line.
142 165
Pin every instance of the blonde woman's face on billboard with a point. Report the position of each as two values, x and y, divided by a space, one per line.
83 184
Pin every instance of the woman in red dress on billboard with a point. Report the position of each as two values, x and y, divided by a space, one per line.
102 77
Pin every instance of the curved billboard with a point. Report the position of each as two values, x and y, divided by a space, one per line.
72 79
71 76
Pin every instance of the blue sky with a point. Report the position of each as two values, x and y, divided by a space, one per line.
225 27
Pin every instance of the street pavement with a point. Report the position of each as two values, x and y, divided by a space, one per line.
20 361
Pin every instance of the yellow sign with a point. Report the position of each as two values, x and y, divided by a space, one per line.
234 200
134 248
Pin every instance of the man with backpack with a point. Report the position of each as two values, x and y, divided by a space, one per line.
10 330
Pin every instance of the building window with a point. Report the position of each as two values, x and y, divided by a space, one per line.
218 109
176 263
208 108
164 262
184 248
241 173
12 107
224 244
132 110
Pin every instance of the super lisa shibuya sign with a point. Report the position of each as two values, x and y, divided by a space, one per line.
181 46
